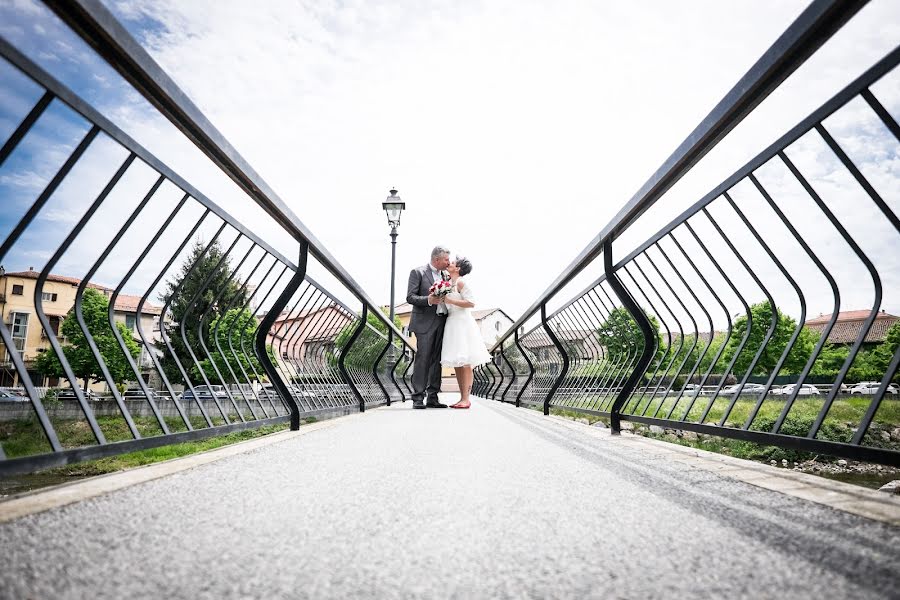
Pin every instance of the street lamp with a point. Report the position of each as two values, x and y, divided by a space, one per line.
393 206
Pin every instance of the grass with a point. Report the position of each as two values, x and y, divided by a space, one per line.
839 425
25 438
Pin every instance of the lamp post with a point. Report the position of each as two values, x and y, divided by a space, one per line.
393 206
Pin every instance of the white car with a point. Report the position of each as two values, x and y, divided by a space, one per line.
871 387
805 390
749 389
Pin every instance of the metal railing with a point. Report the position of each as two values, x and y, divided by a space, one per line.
246 338
671 334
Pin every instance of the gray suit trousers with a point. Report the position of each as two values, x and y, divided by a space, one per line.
426 377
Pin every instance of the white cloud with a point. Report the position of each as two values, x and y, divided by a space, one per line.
513 130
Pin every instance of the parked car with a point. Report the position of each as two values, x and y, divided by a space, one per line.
749 389
69 394
296 391
138 394
805 390
871 387
13 396
204 392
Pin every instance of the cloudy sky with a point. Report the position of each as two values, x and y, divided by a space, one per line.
514 130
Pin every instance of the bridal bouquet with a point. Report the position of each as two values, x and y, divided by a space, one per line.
440 289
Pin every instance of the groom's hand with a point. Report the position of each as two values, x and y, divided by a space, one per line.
432 300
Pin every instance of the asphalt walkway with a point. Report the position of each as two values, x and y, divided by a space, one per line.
494 502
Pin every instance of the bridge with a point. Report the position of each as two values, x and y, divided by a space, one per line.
696 329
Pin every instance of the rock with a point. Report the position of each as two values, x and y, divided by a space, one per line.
600 424
895 434
774 463
688 435
783 462
885 436
627 426
656 429
582 420
842 463
891 487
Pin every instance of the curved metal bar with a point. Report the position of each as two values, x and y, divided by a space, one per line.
346 350
30 119
759 239
715 360
393 372
164 335
649 339
221 316
112 323
675 354
693 322
242 339
378 361
263 330
162 326
530 370
190 308
512 380
565 359
230 306
668 346
79 314
834 313
45 273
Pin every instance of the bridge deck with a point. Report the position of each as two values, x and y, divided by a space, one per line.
491 502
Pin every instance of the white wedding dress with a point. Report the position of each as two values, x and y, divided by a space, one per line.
463 344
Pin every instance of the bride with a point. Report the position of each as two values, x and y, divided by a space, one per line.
463 346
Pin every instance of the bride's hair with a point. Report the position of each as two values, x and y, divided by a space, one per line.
464 264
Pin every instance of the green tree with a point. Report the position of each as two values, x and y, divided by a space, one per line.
621 335
784 329
367 346
872 364
240 323
830 360
95 308
182 289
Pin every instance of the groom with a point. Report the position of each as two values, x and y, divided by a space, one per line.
428 326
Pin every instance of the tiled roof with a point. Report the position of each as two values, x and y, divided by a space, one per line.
129 304
32 274
124 302
848 324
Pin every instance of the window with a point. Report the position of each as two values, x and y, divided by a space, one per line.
18 290
130 321
19 330
48 297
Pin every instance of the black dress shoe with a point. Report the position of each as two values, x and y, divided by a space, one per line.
418 404
435 404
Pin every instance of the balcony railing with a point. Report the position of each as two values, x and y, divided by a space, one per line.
217 269
673 331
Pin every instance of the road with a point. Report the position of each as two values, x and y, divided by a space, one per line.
494 502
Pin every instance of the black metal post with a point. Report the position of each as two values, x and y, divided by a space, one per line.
266 324
649 339
393 267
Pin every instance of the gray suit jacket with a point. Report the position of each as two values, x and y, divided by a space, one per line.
424 318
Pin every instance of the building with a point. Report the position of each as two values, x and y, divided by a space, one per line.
18 312
310 333
849 323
